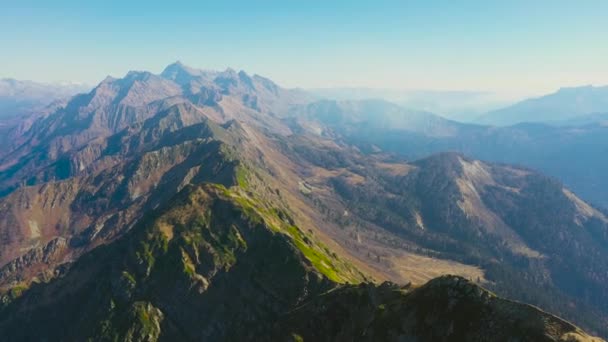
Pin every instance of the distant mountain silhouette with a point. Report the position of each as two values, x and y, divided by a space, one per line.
565 104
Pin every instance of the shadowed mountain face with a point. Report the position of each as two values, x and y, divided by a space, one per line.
199 205
441 310
520 229
209 267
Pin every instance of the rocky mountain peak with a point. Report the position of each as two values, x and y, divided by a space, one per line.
180 73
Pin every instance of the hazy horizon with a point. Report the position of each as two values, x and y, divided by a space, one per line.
478 46
463 105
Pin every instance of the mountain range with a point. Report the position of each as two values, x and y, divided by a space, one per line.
460 105
565 104
569 152
206 205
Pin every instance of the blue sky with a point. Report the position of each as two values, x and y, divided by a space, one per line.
531 46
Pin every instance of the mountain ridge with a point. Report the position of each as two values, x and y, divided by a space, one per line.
565 104
349 214
146 312
549 148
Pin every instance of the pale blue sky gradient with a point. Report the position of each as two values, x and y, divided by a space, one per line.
532 46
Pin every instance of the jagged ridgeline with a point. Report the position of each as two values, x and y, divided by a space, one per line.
188 206
211 265
218 260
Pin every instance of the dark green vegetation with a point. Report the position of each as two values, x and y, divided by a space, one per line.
446 308
204 268
207 268
191 206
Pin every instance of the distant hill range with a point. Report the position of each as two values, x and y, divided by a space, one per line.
464 106
565 104
569 150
